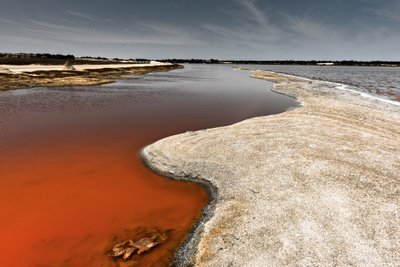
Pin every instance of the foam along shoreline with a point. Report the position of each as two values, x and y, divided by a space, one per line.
27 76
344 87
317 185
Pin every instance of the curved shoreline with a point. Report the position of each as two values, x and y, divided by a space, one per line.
187 250
185 255
165 157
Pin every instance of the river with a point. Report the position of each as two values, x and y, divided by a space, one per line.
71 180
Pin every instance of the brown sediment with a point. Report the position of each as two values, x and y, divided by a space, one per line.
317 185
59 78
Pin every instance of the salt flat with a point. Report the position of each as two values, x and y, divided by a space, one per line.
314 186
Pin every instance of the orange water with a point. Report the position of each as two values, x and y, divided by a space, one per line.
62 201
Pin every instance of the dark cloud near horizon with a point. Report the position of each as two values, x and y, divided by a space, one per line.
237 29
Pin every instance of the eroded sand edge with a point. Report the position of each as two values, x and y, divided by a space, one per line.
318 185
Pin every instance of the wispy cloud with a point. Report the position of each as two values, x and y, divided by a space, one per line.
250 26
252 16
81 15
253 12
150 33
236 28
390 12
305 28
173 33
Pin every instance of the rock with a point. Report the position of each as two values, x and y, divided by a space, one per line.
68 66
127 248
5 70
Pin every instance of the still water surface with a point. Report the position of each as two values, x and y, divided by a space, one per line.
71 180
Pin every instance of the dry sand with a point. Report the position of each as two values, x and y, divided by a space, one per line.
4 70
37 67
314 186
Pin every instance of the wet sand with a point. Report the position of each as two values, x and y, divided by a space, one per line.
314 186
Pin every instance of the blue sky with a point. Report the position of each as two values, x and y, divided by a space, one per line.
224 29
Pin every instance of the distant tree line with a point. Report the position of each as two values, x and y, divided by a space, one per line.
94 58
46 58
38 55
192 61
58 59
32 58
284 62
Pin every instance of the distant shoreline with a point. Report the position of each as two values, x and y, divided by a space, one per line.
34 75
58 59
327 63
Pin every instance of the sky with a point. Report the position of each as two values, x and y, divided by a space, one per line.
222 29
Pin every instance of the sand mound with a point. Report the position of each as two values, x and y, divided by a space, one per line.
5 70
68 66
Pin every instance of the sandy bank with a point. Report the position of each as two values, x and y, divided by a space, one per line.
36 67
314 186
26 76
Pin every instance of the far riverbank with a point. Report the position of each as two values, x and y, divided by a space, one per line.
29 76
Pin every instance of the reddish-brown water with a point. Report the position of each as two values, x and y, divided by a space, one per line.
70 176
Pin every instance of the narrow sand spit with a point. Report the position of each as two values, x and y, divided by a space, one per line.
314 186
28 76
37 67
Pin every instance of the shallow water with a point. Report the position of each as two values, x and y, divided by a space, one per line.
70 176
379 81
